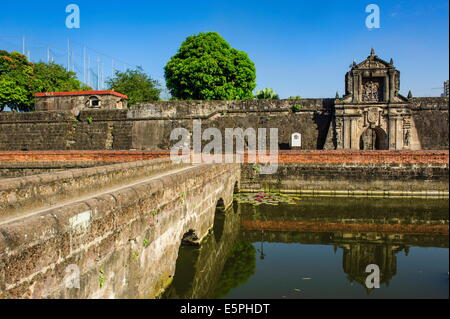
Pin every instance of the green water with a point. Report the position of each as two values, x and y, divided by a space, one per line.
320 248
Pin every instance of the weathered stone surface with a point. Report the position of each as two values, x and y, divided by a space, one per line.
350 177
124 243
76 101
18 196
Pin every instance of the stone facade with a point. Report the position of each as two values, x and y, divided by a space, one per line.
77 101
372 114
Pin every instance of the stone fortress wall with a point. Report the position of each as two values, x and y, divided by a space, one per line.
148 126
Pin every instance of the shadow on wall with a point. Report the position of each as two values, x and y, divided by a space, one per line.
219 220
323 122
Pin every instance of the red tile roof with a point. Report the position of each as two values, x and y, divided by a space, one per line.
81 93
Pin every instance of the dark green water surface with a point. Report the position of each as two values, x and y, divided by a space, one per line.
320 248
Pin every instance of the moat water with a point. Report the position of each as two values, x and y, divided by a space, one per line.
320 248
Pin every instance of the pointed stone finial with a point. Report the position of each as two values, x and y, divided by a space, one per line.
391 62
337 95
410 95
372 52
354 63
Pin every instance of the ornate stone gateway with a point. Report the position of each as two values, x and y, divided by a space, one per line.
372 115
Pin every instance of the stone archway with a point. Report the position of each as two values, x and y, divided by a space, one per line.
373 139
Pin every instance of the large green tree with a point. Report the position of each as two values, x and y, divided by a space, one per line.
16 82
51 77
207 68
21 79
136 84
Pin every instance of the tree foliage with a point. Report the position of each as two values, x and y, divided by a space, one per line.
207 68
267 94
16 81
51 77
136 84
21 79
12 95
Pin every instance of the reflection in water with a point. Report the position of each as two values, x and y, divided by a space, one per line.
262 252
239 267
200 270
357 257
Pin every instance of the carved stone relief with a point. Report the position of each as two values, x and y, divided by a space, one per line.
372 90
372 116
339 132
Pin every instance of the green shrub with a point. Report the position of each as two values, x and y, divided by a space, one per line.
267 94
296 108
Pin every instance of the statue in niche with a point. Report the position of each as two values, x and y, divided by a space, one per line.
407 137
371 91
338 131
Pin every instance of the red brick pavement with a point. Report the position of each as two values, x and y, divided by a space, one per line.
430 157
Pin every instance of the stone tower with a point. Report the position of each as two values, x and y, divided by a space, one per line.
372 115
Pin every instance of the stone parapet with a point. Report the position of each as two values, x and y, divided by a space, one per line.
18 196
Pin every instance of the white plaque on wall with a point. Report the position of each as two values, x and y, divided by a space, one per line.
296 140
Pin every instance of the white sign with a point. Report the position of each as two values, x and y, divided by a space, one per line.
296 140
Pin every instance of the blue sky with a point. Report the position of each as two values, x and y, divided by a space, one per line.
299 47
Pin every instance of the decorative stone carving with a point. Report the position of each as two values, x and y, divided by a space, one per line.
372 116
371 64
338 129
371 91
406 124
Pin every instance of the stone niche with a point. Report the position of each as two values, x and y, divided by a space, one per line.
77 101
372 115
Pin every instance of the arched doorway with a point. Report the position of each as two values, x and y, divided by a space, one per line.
373 139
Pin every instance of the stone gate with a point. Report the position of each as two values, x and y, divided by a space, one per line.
372 114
